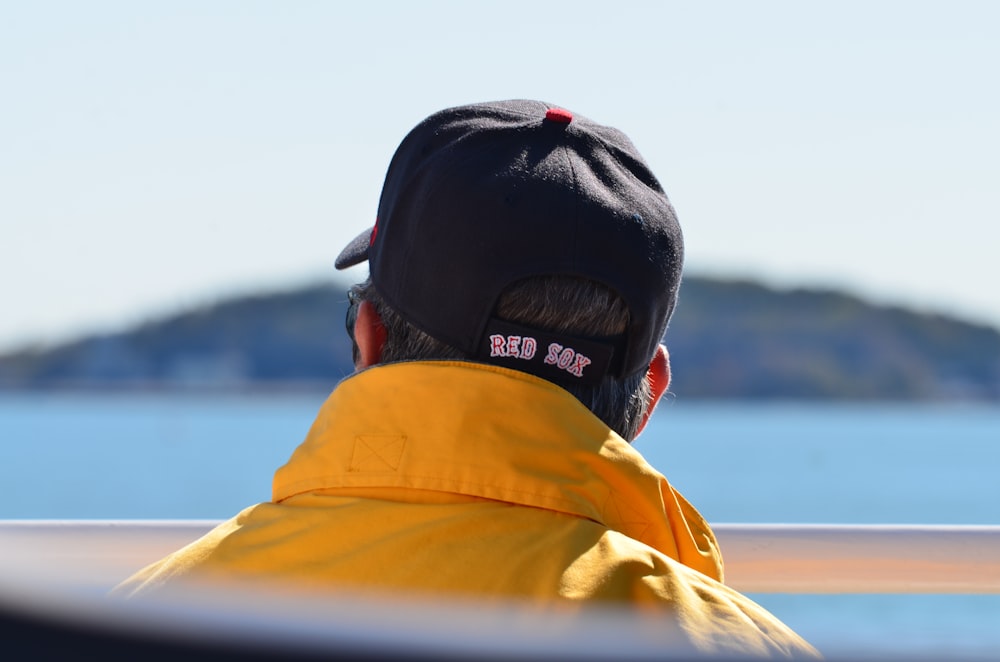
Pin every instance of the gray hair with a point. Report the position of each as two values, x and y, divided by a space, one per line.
564 304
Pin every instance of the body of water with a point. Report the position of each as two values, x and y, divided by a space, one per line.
207 456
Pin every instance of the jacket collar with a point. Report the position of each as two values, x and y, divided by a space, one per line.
493 433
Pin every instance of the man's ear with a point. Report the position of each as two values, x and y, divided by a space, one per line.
659 379
369 335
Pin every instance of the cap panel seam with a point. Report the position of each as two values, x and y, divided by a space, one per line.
576 208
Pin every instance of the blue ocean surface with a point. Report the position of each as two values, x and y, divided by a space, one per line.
831 463
176 456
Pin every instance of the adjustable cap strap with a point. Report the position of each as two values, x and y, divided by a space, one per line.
559 358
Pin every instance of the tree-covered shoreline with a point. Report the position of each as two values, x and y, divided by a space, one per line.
728 339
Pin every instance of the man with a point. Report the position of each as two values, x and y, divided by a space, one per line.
523 268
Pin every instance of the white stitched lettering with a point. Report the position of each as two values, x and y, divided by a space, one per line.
518 347
578 365
497 343
553 356
568 359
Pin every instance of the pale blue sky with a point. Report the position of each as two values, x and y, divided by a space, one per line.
159 155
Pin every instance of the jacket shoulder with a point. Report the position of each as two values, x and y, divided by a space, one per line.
186 562
714 617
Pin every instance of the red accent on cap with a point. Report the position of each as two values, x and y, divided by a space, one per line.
371 241
559 115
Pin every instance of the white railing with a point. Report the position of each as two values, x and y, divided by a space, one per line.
760 558
54 576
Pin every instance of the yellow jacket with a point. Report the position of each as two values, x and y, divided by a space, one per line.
462 479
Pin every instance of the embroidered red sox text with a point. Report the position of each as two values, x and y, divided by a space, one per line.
524 347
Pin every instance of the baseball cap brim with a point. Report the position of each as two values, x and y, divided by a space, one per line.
355 252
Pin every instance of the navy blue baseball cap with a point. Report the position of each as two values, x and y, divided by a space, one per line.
478 197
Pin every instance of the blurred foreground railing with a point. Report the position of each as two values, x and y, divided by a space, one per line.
760 558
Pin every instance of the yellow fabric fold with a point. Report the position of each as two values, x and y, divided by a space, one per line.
462 479
497 434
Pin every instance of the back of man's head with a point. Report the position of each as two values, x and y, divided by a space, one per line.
518 234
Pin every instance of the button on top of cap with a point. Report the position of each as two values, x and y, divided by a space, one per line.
559 115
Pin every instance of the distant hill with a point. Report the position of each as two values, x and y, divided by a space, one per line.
295 337
740 339
728 339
